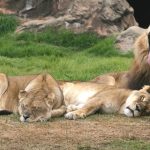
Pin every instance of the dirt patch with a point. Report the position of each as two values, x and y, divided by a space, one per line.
93 132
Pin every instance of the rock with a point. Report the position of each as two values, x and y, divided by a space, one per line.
3 9
104 17
38 25
6 11
126 39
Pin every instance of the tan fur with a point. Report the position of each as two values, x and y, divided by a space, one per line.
107 99
41 100
83 99
9 89
139 74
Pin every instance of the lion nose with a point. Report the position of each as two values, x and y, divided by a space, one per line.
26 116
138 108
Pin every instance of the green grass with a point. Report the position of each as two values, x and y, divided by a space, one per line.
65 55
8 23
20 57
61 37
119 145
127 145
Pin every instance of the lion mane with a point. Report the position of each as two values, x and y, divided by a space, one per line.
139 74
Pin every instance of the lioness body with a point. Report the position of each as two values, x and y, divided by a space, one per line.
9 90
83 99
83 93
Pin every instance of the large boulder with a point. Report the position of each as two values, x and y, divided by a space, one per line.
126 39
101 16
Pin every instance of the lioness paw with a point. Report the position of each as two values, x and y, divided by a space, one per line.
42 120
74 115
69 116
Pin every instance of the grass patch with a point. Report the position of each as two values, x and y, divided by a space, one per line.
65 55
61 37
59 44
15 49
75 67
8 23
119 145
25 54
127 145
106 47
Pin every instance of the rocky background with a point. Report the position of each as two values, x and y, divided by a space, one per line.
105 17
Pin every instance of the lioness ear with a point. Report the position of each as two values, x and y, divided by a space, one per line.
22 93
146 88
35 83
51 82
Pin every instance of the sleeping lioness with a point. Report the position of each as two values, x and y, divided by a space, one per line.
41 100
85 98
43 86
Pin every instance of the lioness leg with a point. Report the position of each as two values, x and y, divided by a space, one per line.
72 107
58 112
88 109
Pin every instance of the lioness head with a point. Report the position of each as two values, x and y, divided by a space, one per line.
138 103
38 99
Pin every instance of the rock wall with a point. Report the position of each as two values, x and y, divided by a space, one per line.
101 16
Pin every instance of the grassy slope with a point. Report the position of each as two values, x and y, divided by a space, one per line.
65 55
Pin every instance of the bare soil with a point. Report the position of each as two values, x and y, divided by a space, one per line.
91 133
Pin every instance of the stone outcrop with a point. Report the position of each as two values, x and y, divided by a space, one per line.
101 16
126 39
3 9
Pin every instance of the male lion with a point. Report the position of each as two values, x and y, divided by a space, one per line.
85 98
139 74
43 86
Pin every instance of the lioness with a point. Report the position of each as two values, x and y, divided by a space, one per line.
85 98
43 86
139 74
40 101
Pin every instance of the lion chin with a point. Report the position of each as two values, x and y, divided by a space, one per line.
139 74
